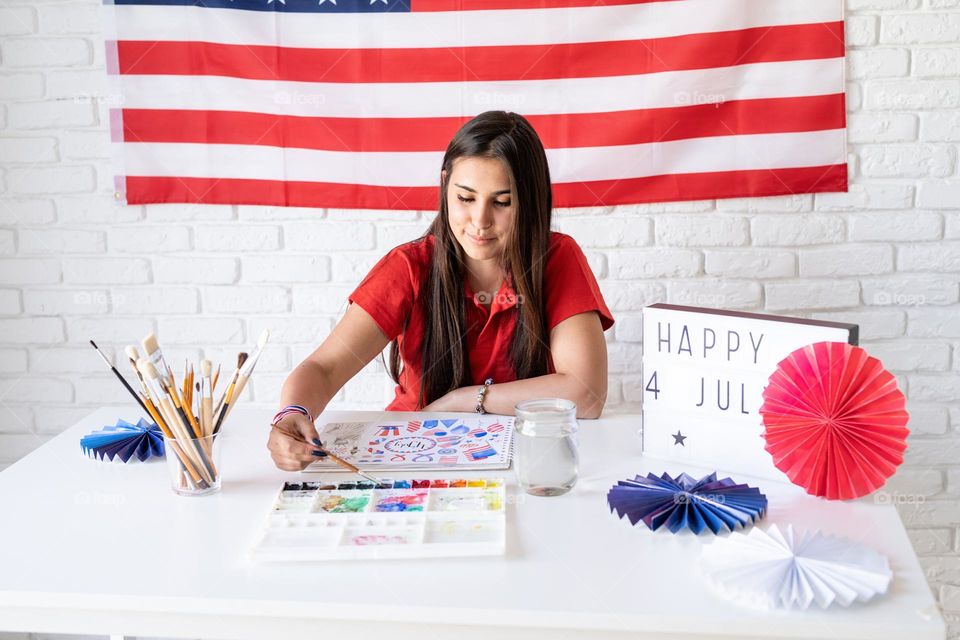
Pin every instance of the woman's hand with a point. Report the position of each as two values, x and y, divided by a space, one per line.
288 443
456 400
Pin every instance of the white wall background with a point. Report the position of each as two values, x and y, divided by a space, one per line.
208 279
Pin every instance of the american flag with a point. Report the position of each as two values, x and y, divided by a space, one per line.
494 428
448 459
480 451
413 425
351 103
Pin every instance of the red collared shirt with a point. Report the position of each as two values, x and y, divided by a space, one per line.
389 291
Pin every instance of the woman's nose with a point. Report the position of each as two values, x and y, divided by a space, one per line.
483 218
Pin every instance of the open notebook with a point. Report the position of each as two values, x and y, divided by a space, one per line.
455 441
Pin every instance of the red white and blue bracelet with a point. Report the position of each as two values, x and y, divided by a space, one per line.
287 410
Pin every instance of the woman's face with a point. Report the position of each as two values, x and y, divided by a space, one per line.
480 205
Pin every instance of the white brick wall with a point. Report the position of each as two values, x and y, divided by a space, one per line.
73 266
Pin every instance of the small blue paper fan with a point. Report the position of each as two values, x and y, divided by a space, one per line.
124 440
687 502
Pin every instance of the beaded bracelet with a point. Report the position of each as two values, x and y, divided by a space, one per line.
481 392
293 408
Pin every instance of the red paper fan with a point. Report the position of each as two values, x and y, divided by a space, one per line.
835 420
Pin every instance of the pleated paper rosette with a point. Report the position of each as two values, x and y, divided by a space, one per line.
793 569
124 441
834 420
685 502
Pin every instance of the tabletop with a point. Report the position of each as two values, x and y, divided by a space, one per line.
108 548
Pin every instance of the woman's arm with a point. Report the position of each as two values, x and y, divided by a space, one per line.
354 342
579 354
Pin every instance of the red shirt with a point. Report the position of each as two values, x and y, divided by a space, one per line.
389 291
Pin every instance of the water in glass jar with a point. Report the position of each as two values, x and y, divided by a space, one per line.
546 446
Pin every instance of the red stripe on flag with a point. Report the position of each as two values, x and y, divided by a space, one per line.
615 128
673 187
485 63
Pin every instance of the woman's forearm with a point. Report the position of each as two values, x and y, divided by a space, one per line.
308 386
502 398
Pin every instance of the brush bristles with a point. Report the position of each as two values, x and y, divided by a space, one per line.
150 343
147 369
159 384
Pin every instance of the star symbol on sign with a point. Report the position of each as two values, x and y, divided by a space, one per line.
678 438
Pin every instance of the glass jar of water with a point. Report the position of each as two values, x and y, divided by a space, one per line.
547 461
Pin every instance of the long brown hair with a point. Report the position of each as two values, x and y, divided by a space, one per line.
508 137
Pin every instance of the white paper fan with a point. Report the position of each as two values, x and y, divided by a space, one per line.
770 569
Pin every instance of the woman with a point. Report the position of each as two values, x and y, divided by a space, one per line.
487 308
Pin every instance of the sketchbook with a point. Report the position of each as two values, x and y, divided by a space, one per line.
460 441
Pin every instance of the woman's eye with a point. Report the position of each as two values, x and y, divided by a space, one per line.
462 199
502 204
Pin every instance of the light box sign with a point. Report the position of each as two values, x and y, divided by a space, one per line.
704 371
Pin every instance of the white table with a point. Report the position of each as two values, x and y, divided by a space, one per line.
93 547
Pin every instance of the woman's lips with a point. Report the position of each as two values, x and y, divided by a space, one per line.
479 241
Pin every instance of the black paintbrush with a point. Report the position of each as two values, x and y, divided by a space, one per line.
122 379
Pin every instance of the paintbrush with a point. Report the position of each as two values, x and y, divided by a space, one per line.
122 379
132 357
346 465
340 461
247 370
206 397
155 356
228 394
175 433
178 422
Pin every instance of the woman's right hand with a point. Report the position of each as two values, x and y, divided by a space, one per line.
288 443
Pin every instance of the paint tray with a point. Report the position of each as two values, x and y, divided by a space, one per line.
397 519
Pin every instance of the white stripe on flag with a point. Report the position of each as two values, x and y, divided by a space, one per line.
466 28
530 97
726 153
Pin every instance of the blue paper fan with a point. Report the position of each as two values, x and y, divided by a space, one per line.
687 502
124 440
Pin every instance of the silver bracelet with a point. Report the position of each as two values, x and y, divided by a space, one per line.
481 392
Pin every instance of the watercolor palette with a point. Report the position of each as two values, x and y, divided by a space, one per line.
394 519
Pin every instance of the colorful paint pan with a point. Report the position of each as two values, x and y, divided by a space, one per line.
416 518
